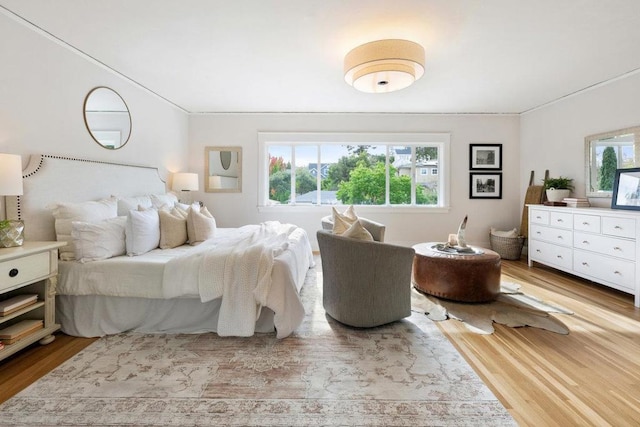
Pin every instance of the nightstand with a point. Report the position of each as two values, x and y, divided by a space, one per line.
30 269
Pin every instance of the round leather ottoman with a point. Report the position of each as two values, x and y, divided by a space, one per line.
473 277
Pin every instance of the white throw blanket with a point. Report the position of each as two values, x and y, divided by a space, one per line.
238 270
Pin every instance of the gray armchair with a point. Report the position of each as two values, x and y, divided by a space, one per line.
365 284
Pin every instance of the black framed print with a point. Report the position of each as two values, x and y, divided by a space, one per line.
626 189
485 156
485 185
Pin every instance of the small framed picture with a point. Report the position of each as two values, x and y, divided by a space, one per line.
485 185
626 189
485 156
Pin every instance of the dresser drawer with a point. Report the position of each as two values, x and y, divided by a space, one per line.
590 223
548 253
605 245
561 219
538 216
616 271
621 227
24 270
553 235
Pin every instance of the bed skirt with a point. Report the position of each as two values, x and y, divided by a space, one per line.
96 316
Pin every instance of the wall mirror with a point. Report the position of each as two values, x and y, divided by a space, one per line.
107 118
606 152
223 170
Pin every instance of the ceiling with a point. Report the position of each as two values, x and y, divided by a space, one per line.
482 56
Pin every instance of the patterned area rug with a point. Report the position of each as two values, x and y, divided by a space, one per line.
512 308
402 374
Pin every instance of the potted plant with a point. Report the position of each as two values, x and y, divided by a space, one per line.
558 188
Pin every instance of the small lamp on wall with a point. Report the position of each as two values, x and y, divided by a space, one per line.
11 231
185 183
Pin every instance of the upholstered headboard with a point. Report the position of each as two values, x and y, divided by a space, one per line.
48 179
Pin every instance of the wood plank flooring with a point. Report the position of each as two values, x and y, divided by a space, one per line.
589 377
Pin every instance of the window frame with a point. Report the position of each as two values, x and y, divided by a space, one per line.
441 139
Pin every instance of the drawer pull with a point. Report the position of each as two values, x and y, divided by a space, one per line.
616 248
559 256
585 223
538 232
13 272
560 237
617 272
586 264
617 227
559 220
538 250
585 242
538 217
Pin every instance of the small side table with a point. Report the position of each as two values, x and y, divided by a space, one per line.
465 277
30 269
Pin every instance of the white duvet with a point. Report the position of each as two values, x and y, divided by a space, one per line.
238 265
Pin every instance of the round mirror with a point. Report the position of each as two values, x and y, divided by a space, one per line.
107 118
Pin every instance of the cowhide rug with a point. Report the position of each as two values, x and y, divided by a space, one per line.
512 308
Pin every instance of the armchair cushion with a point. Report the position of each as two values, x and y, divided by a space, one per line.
375 228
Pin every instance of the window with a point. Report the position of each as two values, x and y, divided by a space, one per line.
314 169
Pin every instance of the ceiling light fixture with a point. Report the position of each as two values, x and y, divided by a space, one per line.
384 65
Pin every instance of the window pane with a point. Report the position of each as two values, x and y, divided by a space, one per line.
401 165
279 174
306 173
427 185
361 178
337 166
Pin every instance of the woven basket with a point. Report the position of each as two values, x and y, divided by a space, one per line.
507 247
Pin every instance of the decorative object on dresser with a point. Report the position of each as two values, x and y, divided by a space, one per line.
557 188
597 244
28 278
626 189
11 231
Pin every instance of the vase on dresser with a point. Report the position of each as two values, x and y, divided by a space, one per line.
557 195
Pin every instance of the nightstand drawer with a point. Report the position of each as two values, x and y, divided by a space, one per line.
23 270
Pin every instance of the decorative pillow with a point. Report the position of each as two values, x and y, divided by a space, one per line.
65 213
142 233
125 204
342 221
509 233
94 241
357 231
158 200
173 228
200 225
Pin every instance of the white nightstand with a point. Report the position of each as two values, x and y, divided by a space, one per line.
30 269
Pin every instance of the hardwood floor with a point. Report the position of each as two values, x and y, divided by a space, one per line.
589 377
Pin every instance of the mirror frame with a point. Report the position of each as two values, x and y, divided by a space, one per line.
208 152
587 156
86 122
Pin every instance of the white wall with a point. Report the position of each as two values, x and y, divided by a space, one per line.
553 137
42 89
235 209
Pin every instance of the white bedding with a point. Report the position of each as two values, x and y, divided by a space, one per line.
178 273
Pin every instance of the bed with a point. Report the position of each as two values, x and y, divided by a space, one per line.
241 281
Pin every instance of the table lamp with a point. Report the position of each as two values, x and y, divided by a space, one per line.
11 231
184 183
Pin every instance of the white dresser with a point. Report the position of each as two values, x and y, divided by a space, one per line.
598 244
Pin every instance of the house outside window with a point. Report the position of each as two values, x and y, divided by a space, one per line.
356 168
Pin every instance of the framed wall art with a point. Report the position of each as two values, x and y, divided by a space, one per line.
485 185
485 156
626 189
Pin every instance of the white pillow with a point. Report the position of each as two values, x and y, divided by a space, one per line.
509 233
200 225
142 233
66 213
94 241
342 221
158 200
173 228
357 231
125 204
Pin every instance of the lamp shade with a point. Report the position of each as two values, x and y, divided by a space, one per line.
185 182
10 175
384 65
